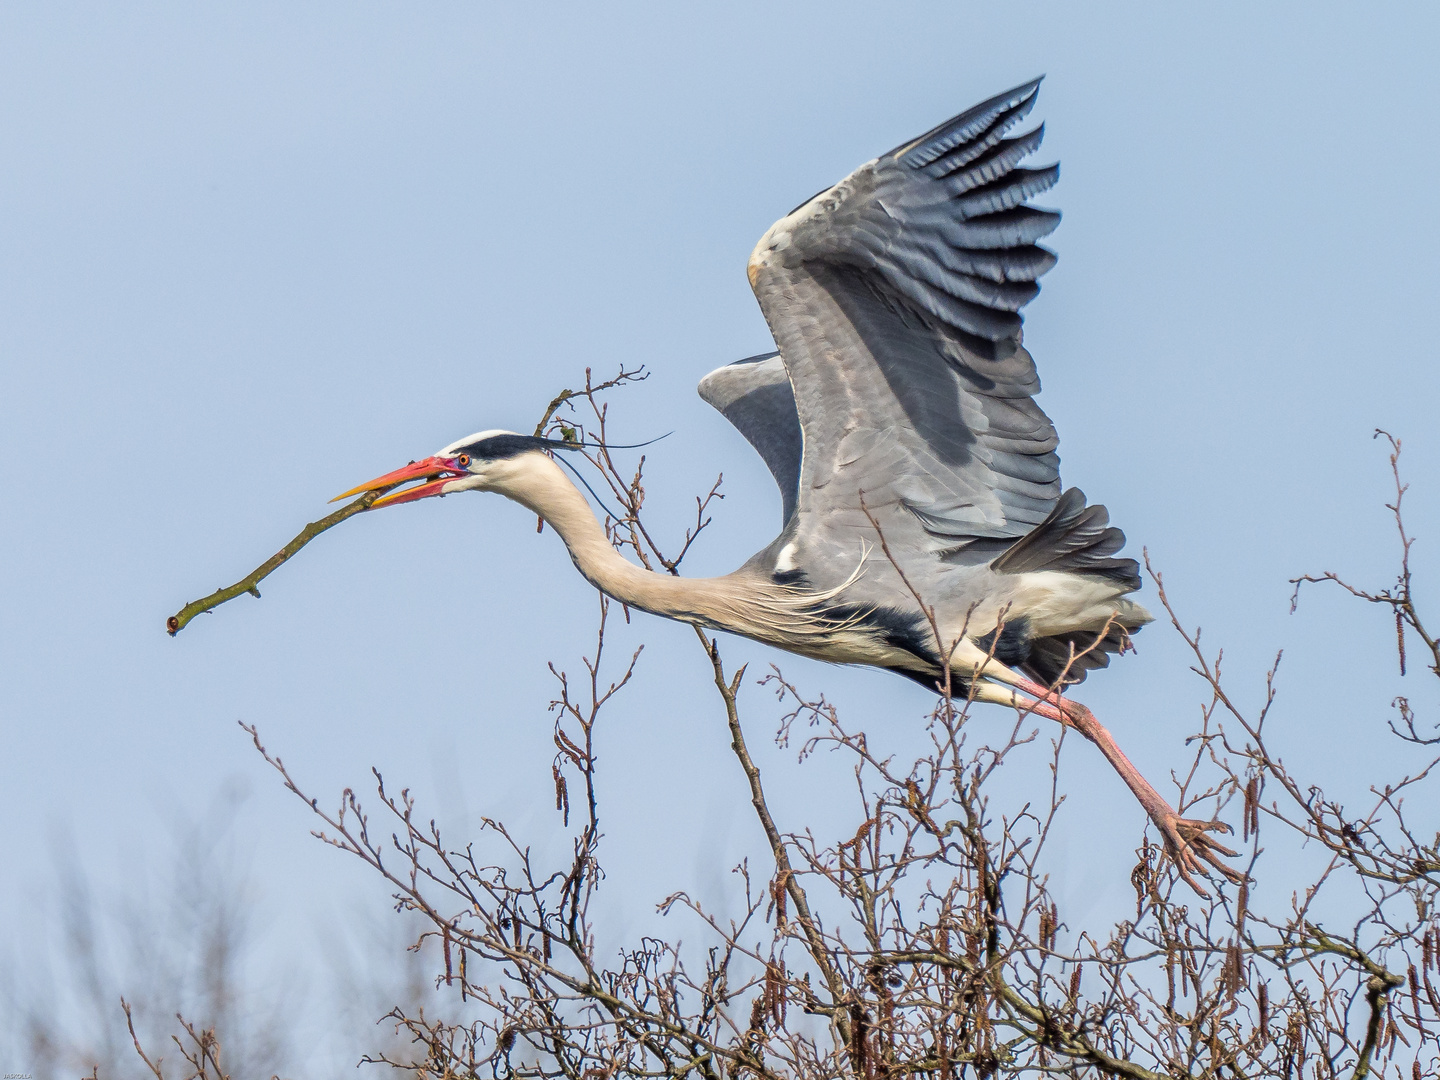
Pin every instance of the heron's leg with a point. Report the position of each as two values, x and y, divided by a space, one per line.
1186 840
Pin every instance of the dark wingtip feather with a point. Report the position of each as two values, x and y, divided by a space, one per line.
1011 190
1019 226
1075 538
966 126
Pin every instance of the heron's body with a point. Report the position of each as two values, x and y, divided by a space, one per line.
774 597
924 524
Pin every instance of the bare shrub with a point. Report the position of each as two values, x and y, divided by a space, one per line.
926 940
182 940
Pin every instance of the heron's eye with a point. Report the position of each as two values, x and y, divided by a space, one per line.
464 461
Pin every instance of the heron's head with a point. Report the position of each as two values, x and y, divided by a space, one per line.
484 461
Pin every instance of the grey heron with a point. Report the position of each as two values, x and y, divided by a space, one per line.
897 414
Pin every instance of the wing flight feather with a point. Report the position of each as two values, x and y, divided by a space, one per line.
894 298
754 394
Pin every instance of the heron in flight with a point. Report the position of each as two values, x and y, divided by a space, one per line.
897 416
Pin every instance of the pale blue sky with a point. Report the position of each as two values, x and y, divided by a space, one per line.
253 255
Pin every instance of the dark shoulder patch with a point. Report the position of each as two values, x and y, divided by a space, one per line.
896 627
790 577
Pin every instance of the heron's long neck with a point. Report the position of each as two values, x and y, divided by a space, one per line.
541 486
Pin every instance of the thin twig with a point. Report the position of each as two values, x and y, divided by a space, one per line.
248 584
818 951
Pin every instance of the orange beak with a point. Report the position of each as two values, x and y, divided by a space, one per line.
435 471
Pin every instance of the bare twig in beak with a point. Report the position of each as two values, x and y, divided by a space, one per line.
177 622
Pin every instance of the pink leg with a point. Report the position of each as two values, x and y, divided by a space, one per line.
1187 841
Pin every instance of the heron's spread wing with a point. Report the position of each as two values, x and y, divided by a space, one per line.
754 394
894 298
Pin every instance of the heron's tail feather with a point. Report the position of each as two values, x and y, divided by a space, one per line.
1073 656
1074 538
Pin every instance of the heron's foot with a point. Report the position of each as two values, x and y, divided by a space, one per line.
1194 851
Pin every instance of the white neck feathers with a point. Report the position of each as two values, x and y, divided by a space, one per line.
536 482
744 603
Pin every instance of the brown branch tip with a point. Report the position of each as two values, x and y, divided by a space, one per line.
249 584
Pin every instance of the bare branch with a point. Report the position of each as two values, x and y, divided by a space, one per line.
250 583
